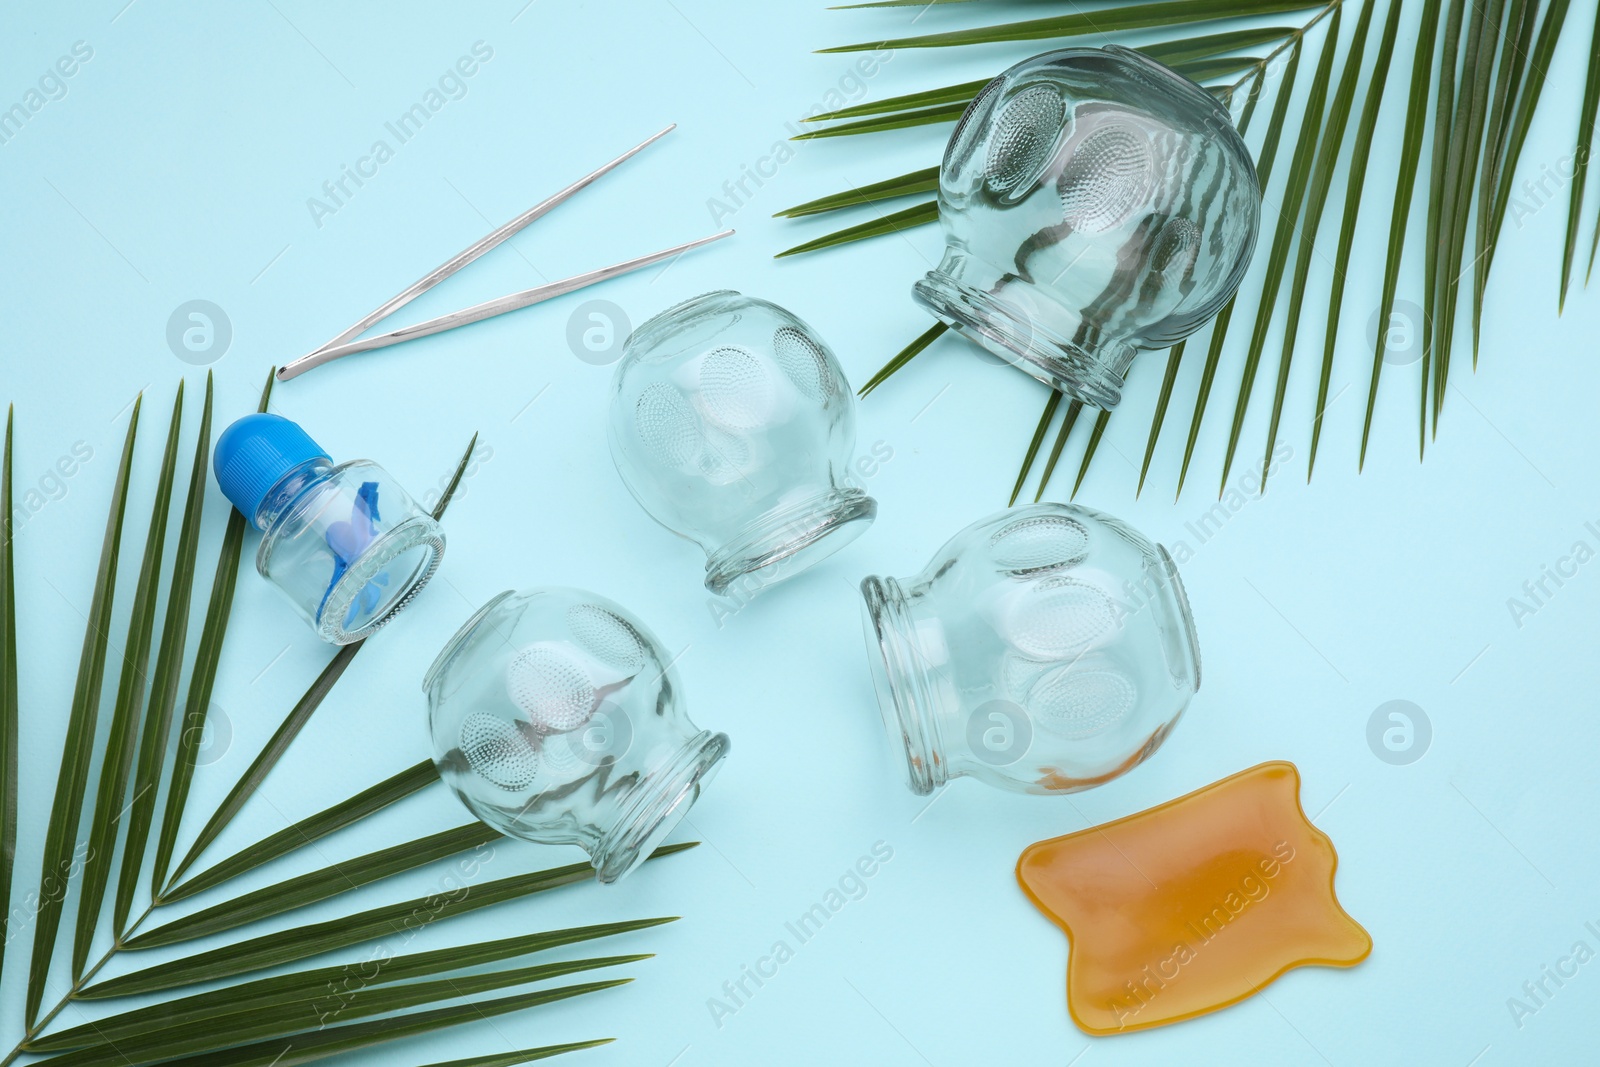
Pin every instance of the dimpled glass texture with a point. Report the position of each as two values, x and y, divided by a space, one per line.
732 425
1046 649
1094 203
556 718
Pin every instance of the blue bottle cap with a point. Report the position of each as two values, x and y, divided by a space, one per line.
255 453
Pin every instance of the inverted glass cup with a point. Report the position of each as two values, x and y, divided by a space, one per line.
1094 203
1045 649
557 718
732 425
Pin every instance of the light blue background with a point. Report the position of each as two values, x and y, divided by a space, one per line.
178 166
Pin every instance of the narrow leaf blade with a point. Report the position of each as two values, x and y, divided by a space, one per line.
8 690
878 123
1098 431
1048 414
527 1055
167 679
202 679
1405 186
1102 21
313 828
1513 66
303 987
1352 209
1068 421
918 181
298 716
337 1040
909 218
330 881
117 760
1580 174
280 1022
949 94
286 946
904 356
1174 360
1483 35
1277 259
60 854
1320 182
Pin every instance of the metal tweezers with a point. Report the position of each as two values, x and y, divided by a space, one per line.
345 344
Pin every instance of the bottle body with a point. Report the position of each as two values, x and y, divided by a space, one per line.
1094 203
557 718
1046 649
732 424
346 545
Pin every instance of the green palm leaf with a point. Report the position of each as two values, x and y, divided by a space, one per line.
907 219
1439 186
1264 163
1405 184
202 679
286 946
258 1023
8 691
904 356
1483 32
918 181
330 881
1068 421
304 832
1586 121
527 1055
949 94
927 180
1316 200
1352 208
337 1040
117 760
267 758
1208 377
1283 237
1481 67
61 857
1257 82
1050 405
1197 69
1093 446
254 1021
902 120
1168 380
166 680
1522 118
1109 20
297 718
896 3
1187 49
1513 65
310 986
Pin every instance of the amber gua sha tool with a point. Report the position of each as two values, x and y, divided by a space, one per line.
1194 904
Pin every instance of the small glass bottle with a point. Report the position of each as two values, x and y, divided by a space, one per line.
557 718
1094 203
345 544
1045 649
732 424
